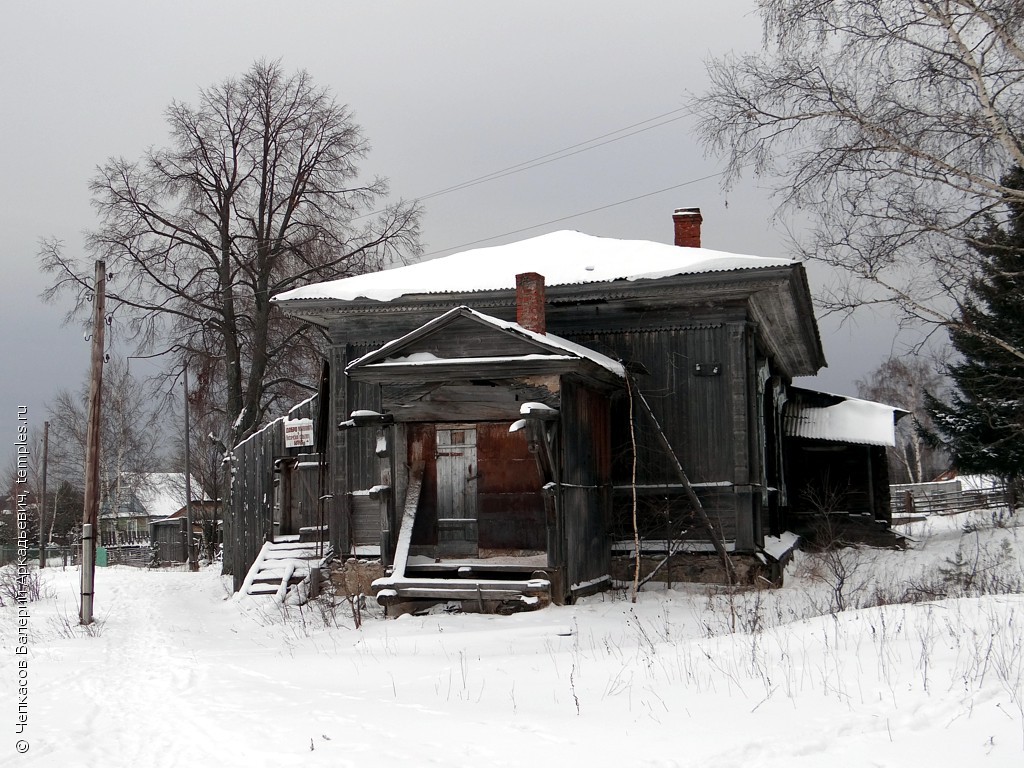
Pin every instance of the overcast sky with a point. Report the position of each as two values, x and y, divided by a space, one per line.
447 91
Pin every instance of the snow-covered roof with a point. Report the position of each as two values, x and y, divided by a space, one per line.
382 357
163 493
564 258
849 420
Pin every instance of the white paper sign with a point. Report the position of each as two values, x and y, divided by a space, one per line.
298 433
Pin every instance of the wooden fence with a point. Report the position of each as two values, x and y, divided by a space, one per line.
122 539
943 498
138 555
249 518
55 555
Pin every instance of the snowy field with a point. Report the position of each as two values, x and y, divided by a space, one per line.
177 672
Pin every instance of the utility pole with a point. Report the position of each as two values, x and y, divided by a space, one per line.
42 504
192 565
90 511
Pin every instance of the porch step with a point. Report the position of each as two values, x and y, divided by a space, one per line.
502 571
281 570
390 590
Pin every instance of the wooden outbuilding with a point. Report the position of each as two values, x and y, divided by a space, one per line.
837 472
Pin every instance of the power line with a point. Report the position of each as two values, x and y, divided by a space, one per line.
559 154
575 215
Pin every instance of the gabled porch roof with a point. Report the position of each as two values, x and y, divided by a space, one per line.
463 342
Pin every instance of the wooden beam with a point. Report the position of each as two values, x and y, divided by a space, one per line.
392 590
412 502
527 585
449 593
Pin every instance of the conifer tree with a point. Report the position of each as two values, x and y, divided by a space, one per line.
983 424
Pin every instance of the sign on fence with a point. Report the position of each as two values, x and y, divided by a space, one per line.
298 433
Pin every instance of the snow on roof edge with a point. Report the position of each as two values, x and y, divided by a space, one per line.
564 258
851 420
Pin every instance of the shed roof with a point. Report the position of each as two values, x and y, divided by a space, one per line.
837 418
564 258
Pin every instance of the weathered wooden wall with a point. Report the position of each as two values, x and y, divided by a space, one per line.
701 385
701 388
249 518
586 483
355 466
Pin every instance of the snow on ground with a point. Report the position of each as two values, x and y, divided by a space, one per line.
176 672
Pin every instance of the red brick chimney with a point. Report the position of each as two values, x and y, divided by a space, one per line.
687 222
530 302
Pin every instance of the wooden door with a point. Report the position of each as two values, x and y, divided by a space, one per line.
456 491
306 493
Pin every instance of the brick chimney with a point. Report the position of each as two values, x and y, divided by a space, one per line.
687 223
530 302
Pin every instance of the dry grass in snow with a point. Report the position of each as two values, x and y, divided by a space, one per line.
177 672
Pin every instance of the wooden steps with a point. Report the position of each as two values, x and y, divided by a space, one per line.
392 590
281 567
498 585
474 585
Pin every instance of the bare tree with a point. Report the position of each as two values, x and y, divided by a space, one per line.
891 124
130 434
904 382
208 431
257 193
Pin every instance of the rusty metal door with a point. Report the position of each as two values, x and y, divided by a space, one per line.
456 491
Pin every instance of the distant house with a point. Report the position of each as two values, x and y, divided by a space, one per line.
141 499
507 423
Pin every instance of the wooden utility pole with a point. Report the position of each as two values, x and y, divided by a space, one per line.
41 502
192 565
90 511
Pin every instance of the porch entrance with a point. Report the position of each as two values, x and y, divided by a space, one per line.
481 496
457 524
296 493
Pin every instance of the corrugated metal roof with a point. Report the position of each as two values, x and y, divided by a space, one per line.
849 420
564 258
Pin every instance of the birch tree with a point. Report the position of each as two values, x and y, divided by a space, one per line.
131 438
906 383
889 124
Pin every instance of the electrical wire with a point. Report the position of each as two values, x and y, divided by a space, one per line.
575 215
559 154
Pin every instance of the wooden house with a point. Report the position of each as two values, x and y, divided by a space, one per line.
137 500
515 420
